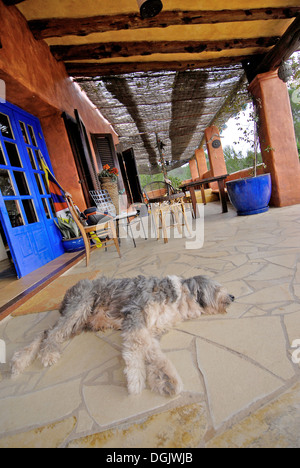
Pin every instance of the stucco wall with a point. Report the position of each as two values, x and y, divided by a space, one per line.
39 84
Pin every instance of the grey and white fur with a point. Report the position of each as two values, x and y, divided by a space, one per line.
143 308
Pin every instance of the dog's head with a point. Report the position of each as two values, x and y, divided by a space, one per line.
210 295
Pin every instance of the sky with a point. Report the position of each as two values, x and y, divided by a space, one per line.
232 133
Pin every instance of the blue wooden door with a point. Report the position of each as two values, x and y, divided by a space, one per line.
26 208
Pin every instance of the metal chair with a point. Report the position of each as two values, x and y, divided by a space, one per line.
105 231
104 204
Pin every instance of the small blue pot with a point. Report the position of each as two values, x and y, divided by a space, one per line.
251 195
73 245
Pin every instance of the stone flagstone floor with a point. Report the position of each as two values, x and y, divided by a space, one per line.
241 386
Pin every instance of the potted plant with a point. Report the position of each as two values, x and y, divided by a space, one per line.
71 237
251 195
108 178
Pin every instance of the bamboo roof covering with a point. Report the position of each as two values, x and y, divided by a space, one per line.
174 106
171 75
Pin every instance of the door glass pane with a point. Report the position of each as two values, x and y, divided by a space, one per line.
24 133
45 183
30 211
21 183
31 157
14 213
46 208
52 207
13 154
37 158
6 185
32 135
2 157
38 183
5 127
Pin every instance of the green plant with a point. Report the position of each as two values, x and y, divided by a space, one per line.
68 227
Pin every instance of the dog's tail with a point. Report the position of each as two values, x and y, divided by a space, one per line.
26 356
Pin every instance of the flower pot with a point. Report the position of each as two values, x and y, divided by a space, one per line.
251 195
73 245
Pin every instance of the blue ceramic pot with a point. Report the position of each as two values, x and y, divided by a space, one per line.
73 245
251 195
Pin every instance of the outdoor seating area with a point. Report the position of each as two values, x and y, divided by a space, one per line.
240 371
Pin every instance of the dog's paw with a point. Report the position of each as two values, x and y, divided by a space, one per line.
135 383
49 359
166 384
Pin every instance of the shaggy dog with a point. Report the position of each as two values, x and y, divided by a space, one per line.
143 308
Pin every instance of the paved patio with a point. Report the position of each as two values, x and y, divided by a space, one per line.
241 386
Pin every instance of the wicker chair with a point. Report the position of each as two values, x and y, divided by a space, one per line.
105 231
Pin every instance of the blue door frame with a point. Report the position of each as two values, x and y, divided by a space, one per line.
26 209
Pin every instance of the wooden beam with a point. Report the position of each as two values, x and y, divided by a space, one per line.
59 27
116 68
285 47
12 2
145 48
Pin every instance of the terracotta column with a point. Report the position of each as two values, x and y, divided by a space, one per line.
201 162
194 169
277 137
216 155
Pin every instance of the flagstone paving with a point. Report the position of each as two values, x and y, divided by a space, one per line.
241 386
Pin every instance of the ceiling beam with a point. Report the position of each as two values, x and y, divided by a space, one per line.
285 47
59 27
117 68
145 48
12 2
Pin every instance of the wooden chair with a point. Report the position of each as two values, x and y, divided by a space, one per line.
105 231
165 200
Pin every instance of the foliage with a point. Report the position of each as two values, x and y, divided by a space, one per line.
236 161
68 227
175 175
107 171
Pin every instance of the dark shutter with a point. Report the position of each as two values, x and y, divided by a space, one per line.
104 151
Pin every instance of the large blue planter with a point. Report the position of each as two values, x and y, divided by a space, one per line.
251 195
73 245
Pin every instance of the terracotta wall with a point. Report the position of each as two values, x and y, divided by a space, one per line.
39 84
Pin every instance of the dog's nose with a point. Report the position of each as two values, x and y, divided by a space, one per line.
232 298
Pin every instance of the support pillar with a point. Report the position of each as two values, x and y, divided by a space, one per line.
215 154
194 169
277 137
201 162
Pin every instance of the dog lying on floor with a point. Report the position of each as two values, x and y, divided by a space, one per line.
143 308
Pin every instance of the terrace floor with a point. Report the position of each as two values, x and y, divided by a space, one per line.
241 386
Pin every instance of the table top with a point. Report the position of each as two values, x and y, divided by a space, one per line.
170 197
204 181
